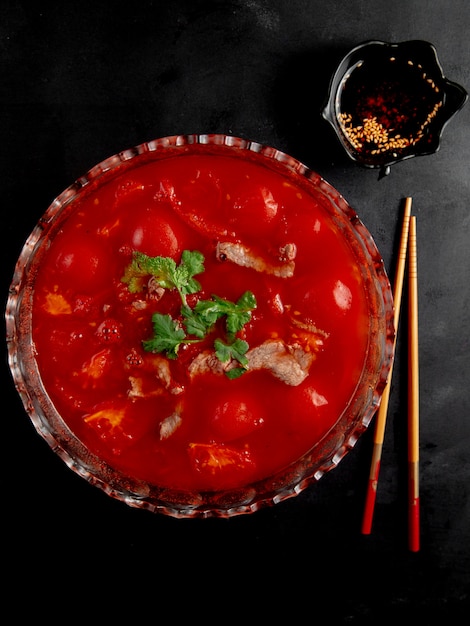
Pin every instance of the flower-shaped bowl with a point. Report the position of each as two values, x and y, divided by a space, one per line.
388 102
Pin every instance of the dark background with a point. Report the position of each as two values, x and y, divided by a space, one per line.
80 81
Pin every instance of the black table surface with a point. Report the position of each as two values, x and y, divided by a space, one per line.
81 81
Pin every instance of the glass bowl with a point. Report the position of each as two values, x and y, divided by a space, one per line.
149 427
390 102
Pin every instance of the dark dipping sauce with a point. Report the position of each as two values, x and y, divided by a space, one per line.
385 107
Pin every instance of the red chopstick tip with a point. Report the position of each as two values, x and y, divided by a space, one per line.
369 507
414 526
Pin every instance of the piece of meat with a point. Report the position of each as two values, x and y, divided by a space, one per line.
160 379
205 362
290 363
154 290
137 389
245 256
170 424
288 252
161 368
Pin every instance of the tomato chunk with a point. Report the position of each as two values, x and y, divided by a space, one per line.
236 417
151 231
82 261
255 209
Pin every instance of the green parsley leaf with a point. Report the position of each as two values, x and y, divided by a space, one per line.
236 372
194 323
235 350
208 311
237 313
192 263
240 313
168 336
165 271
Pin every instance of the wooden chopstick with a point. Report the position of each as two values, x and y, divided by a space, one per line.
383 408
413 395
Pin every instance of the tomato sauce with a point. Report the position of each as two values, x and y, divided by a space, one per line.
144 413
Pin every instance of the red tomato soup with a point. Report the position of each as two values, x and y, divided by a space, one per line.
183 414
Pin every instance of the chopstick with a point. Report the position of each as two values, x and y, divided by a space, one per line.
383 408
413 395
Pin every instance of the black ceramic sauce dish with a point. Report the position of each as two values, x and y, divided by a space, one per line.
390 102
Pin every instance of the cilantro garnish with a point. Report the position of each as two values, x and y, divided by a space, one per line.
237 313
165 272
235 350
169 334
